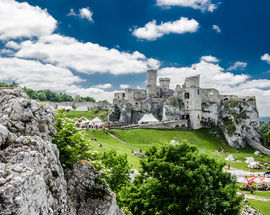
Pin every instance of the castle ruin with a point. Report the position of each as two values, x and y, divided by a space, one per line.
190 105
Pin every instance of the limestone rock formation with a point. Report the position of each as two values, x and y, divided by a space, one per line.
239 120
87 193
32 180
247 210
22 116
173 109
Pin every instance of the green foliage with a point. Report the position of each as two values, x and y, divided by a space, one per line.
47 95
233 103
71 142
251 99
118 172
104 101
179 180
84 99
88 114
5 85
230 127
265 127
75 146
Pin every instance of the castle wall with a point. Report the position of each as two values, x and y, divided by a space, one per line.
83 105
193 81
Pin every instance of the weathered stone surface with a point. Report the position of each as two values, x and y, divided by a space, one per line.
126 113
23 116
87 194
173 109
32 180
247 210
239 120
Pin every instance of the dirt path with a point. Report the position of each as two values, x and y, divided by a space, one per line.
255 197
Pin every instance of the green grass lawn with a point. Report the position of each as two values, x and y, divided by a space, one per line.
145 138
88 114
263 207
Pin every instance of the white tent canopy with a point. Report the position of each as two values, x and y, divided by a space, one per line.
249 159
253 164
230 158
96 121
148 118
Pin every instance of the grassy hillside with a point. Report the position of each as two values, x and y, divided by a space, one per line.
88 114
145 138
207 143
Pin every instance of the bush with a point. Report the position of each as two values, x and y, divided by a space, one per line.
119 170
71 141
179 180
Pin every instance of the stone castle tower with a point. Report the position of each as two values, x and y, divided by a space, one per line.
193 100
151 86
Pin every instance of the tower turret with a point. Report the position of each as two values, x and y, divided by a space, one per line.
151 86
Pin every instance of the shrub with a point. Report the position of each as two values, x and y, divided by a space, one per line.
179 180
71 141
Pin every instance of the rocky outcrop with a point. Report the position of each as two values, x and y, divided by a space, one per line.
247 210
22 116
173 109
87 193
32 180
126 113
239 121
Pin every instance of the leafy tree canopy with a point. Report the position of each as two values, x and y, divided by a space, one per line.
84 99
179 180
74 146
47 95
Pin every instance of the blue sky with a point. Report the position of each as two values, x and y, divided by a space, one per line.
93 47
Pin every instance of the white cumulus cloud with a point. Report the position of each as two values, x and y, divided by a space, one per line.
152 31
86 58
21 20
103 86
124 86
12 45
203 5
84 13
238 66
216 28
266 57
210 59
36 75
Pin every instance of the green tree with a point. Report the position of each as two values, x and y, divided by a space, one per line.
71 142
179 180
119 170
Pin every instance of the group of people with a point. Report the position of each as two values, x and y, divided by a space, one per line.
252 187
223 150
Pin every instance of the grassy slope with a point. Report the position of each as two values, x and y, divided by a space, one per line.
88 114
263 207
145 138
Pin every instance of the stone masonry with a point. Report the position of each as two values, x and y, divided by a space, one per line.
203 108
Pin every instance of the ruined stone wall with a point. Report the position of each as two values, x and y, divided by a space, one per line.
87 105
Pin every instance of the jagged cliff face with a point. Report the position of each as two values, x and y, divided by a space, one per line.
239 120
32 180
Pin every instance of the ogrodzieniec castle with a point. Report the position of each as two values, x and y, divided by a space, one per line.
188 106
